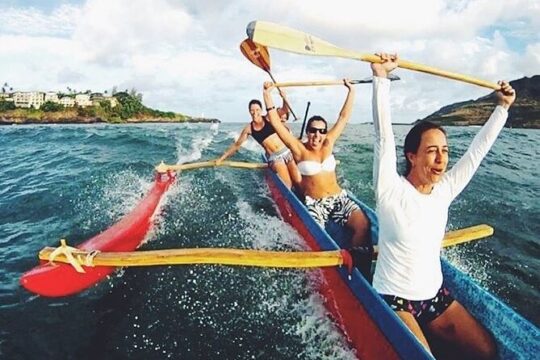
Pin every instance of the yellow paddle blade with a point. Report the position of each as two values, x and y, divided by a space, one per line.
162 167
471 233
288 39
258 258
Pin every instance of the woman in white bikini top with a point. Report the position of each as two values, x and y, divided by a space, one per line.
314 157
310 168
324 198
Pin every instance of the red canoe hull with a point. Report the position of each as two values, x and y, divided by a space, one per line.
54 280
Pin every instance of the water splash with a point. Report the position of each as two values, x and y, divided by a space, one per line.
197 146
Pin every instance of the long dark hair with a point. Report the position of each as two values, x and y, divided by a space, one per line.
414 137
316 118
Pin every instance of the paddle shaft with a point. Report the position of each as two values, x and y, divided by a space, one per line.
161 168
288 39
305 120
316 83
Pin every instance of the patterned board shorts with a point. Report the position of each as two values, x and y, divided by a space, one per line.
284 155
336 207
425 311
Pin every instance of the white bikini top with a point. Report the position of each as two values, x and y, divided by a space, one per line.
310 167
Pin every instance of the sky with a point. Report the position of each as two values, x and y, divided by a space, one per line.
184 56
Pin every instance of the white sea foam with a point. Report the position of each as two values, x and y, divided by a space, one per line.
107 200
198 145
471 263
318 333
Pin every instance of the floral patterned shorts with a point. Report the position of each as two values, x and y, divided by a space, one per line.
425 311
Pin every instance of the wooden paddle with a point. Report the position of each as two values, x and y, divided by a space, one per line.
259 56
391 77
241 257
288 39
163 168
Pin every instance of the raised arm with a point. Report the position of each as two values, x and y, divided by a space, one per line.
460 175
385 159
283 132
236 145
344 115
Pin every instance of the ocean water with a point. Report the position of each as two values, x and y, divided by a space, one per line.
72 181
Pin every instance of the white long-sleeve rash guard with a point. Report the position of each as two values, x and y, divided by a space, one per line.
412 224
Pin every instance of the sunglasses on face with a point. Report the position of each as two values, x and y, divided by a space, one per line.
313 130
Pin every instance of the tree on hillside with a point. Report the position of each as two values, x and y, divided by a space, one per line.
129 105
6 105
133 92
50 106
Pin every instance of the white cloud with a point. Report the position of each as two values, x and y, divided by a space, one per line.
32 21
113 31
183 55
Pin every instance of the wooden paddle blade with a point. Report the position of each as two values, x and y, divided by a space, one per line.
460 236
288 39
257 54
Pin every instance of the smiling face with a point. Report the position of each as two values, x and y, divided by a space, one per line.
315 138
429 163
255 111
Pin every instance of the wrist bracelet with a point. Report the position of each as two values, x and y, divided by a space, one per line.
270 108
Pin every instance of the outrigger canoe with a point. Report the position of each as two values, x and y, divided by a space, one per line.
371 328
54 280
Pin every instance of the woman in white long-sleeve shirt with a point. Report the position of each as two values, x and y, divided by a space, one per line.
413 212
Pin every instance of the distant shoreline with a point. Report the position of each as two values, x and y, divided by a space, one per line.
96 120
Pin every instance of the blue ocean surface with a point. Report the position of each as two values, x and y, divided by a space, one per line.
74 181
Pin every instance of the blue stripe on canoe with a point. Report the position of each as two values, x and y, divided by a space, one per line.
516 337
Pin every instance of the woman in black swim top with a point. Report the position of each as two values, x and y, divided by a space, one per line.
279 156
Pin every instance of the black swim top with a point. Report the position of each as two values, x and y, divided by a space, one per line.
262 134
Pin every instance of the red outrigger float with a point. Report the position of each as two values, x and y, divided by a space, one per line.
54 280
